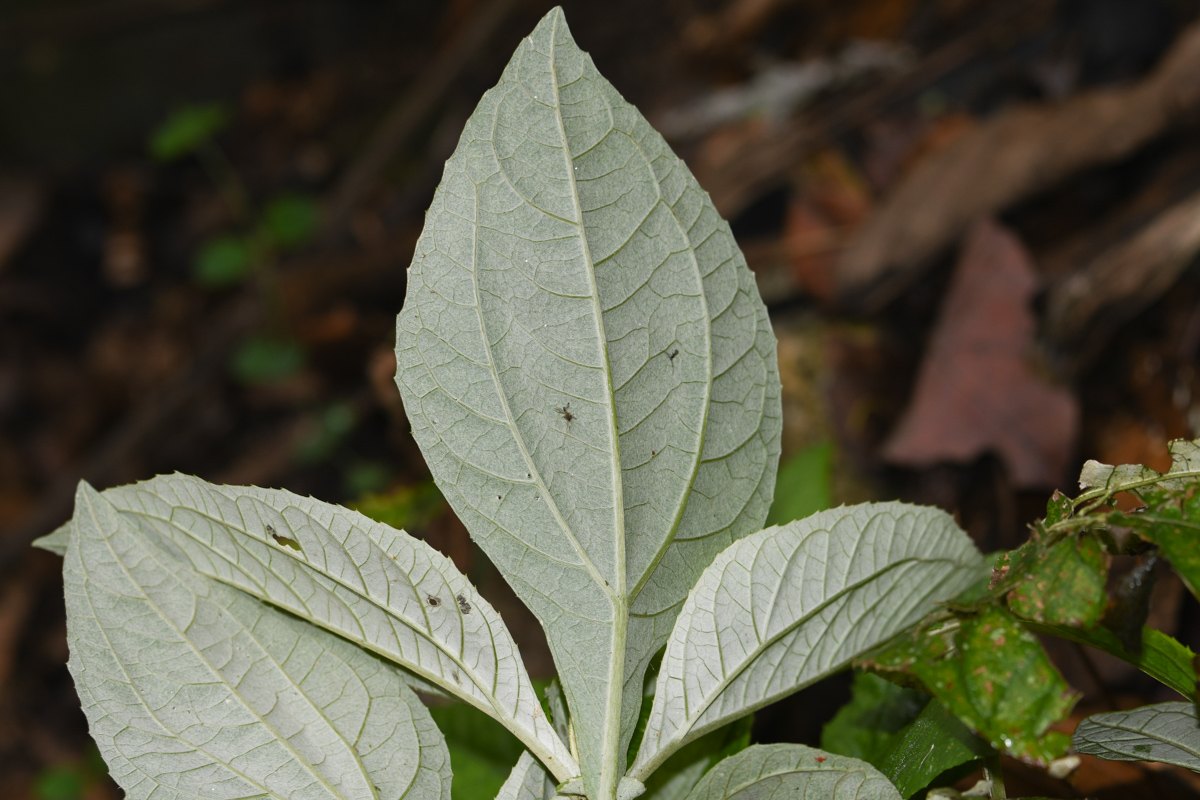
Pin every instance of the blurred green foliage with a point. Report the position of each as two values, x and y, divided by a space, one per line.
803 485
186 130
265 359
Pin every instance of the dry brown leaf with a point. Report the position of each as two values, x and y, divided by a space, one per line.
1020 152
977 391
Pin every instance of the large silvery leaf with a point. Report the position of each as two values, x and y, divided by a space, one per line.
793 770
372 584
1167 732
787 606
193 689
589 372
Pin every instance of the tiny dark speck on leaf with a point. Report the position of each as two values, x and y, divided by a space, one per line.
671 356
463 605
433 600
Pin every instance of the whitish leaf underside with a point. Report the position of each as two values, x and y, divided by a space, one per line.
794 772
789 605
368 582
589 372
1167 732
527 781
196 690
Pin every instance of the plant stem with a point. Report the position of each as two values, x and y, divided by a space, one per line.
992 771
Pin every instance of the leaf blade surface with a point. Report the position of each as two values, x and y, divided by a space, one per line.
193 689
789 605
372 584
1167 732
792 770
589 371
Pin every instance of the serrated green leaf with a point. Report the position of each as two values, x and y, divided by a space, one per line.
589 371
194 689
527 781
1161 656
376 586
788 606
993 675
1168 733
1065 586
793 770
868 726
928 746
186 130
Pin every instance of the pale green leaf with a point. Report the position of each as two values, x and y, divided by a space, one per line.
589 371
1102 480
1167 732
195 690
56 541
790 605
372 584
792 770
527 781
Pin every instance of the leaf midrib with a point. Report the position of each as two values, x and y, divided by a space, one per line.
690 732
220 677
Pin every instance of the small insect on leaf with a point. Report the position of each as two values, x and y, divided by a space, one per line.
671 356
565 413
463 605
284 540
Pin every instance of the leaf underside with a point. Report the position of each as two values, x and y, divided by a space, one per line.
369 583
1167 732
792 770
195 690
589 371
789 605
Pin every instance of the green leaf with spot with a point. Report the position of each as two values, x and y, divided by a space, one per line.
1065 586
993 675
